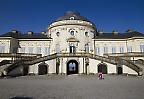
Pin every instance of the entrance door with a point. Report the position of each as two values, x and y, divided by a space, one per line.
119 70
72 67
102 68
42 69
57 68
86 68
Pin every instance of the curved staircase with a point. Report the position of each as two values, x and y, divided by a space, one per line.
112 60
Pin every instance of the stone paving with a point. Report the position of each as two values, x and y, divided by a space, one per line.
72 87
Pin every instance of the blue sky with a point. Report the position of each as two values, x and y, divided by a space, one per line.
36 15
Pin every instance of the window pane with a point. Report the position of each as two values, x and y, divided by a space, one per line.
30 49
142 48
38 50
2 49
72 49
97 51
86 48
121 49
47 51
72 33
113 50
57 48
105 49
22 50
129 48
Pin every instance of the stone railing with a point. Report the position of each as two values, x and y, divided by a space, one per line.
6 62
20 56
13 66
128 54
71 22
112 60
129 63
132 65
139 61
56 55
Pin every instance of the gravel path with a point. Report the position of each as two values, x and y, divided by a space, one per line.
72 87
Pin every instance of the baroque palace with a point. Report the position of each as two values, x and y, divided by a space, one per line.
71 45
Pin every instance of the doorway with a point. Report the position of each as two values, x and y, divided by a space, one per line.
120 70
102 68
42 69
72 67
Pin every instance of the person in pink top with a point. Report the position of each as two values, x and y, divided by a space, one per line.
100 76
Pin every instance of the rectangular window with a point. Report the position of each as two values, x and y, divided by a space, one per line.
105 50
72 49
38 50
14 49
2 49
22 50
87 48
142 48
47 51
30 49
97 51
113 50
121 49
129 48
57 48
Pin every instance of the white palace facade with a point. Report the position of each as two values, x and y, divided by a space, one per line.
71 45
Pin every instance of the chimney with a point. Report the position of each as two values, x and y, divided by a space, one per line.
30 33
100 32
14 31
43 33
129 30
115 32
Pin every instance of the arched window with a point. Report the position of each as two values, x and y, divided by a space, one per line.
71 18
72 33
86 34
57 33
